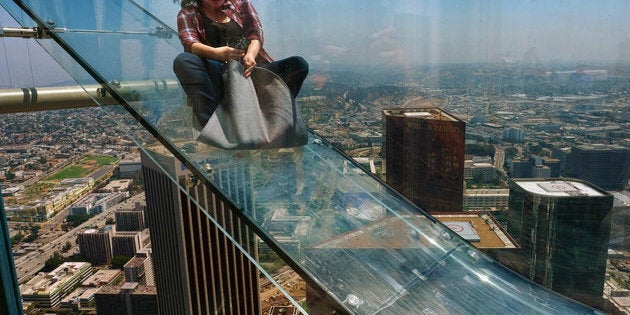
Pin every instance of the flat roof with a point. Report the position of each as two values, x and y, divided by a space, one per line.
434 113
394 232
481 230
558 188
463 229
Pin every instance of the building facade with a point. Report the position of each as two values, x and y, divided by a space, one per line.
545 209
129 298
140 268
48 289
607 166
95 245
198 269
486 199
126 244
129 220
425 156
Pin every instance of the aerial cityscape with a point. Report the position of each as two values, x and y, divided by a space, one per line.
433 161
79 156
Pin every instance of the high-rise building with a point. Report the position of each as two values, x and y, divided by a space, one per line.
140 268
554 166
129 298
520 168
10 301
126 244
129 220
514 134
425 156
95 245
607 166
198 269
563 229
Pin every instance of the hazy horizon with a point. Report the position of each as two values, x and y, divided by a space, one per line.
401 34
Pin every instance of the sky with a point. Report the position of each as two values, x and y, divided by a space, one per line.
23 63
400 33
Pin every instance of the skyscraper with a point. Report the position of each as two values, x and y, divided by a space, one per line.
425 156
129 298
198 269
126 244
607 166
96 245
140 268
563 228
130 220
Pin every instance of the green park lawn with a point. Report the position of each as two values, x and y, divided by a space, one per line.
84 167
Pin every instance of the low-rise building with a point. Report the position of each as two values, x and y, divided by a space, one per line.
48 289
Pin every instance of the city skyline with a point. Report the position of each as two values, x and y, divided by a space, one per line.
399 35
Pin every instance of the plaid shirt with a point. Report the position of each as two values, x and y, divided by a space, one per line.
191 28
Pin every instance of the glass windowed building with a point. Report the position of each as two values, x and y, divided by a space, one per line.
357 244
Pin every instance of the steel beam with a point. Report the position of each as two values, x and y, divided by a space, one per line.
52 98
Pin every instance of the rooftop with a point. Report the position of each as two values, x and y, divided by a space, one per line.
558 188
480 229
46 283
433 113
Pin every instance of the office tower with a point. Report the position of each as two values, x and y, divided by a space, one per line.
10 301
513 134
129 298
95 245
607 166
554 166
126 244
48 289
198 269
520 168
129 220
425 156
563 234
480 171
541 171
140 269
129 166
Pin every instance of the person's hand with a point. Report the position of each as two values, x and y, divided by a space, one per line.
227 53
249 62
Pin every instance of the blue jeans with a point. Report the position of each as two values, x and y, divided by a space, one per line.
202 80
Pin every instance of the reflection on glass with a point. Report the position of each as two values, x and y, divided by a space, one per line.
520 76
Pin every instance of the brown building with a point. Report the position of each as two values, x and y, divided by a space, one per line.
96 245
425 157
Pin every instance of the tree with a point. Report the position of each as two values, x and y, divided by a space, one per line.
118 262
66 247
77 219
17 238
510 153
53 262
109 221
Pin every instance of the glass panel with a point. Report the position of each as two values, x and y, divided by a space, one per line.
10 293
345 232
